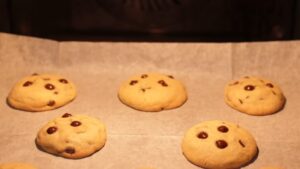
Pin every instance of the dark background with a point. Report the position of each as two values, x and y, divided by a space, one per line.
153 20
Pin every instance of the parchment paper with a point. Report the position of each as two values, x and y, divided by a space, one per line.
135 138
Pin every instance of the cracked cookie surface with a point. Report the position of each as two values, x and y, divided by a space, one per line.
41 92
152 92
218 145
72 136
254 96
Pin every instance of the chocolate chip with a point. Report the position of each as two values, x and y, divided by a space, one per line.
241 101
55 92
51 103
221 144
223 129
235 83
144 76
241 143
27 83
249 87
63 81
270 85
133 82
145 89
75 123
70 150
49 86
34 74
66 115
202 135
163 83
274 92
170 76
51 130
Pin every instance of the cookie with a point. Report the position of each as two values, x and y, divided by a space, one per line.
41 92
152 92
254 96
219 145
72 136
16 166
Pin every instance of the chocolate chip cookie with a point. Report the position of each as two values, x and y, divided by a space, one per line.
152 92
41 92
72 136
16 166
254 96
219 145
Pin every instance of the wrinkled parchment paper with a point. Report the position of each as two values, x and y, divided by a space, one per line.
137 139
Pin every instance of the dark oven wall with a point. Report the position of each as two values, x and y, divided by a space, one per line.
152 20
